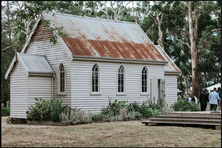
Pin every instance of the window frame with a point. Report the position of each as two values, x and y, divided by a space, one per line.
59 80
91 80
124 81
147 82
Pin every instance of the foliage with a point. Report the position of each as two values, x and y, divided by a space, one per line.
185 106
97 117
159 105
5 111
133 106
55 110
75 116
120 110
146 112
117 111
45 110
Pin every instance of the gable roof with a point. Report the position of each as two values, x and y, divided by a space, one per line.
171 66
104 38
100 39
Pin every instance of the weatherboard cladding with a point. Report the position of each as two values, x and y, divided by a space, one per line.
105 38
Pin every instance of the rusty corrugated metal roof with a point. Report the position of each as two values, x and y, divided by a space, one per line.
105 38
171 66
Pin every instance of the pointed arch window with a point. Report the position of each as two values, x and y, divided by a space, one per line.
121 72
61 79
95 78
144 80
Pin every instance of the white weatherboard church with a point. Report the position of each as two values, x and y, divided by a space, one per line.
100 58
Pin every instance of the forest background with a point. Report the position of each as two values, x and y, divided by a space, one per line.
188 31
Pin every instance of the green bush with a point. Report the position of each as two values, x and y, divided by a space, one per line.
185 106
118 111
146 112
97 117
5 111
116 105
138 115
45 110
75 116
56 109
159 105
133 106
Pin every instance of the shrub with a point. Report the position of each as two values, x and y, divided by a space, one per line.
97 117
133 106
5 111
40 111
131 115
118 111
138 114
45 110
56 109
146 112
75 116
116 105
185 106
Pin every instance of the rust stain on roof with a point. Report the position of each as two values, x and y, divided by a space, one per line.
105 38
112 49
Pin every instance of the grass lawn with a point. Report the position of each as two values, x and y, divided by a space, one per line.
109 134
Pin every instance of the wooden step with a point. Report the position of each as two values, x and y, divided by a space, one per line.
185 120
190 117
182 123
196 113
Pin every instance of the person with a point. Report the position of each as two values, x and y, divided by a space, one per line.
193 98
219 102
179 98
219 92
213 99
183 98
189 99
204 99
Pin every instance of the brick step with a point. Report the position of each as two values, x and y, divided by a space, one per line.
185 120
190 117
182 123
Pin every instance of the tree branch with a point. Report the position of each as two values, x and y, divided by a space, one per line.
215 30
180 40
123 8
9 47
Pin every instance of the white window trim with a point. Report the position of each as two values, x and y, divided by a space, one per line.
124 83
148 82
91 92
58 79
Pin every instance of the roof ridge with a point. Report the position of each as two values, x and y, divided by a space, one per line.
87 17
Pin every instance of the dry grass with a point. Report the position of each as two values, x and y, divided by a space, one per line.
109 134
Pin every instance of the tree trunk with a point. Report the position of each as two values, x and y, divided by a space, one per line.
159 17
193 49
9 30
185 82
160 32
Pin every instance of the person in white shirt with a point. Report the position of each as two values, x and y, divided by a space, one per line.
213 99
194 99
189 98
